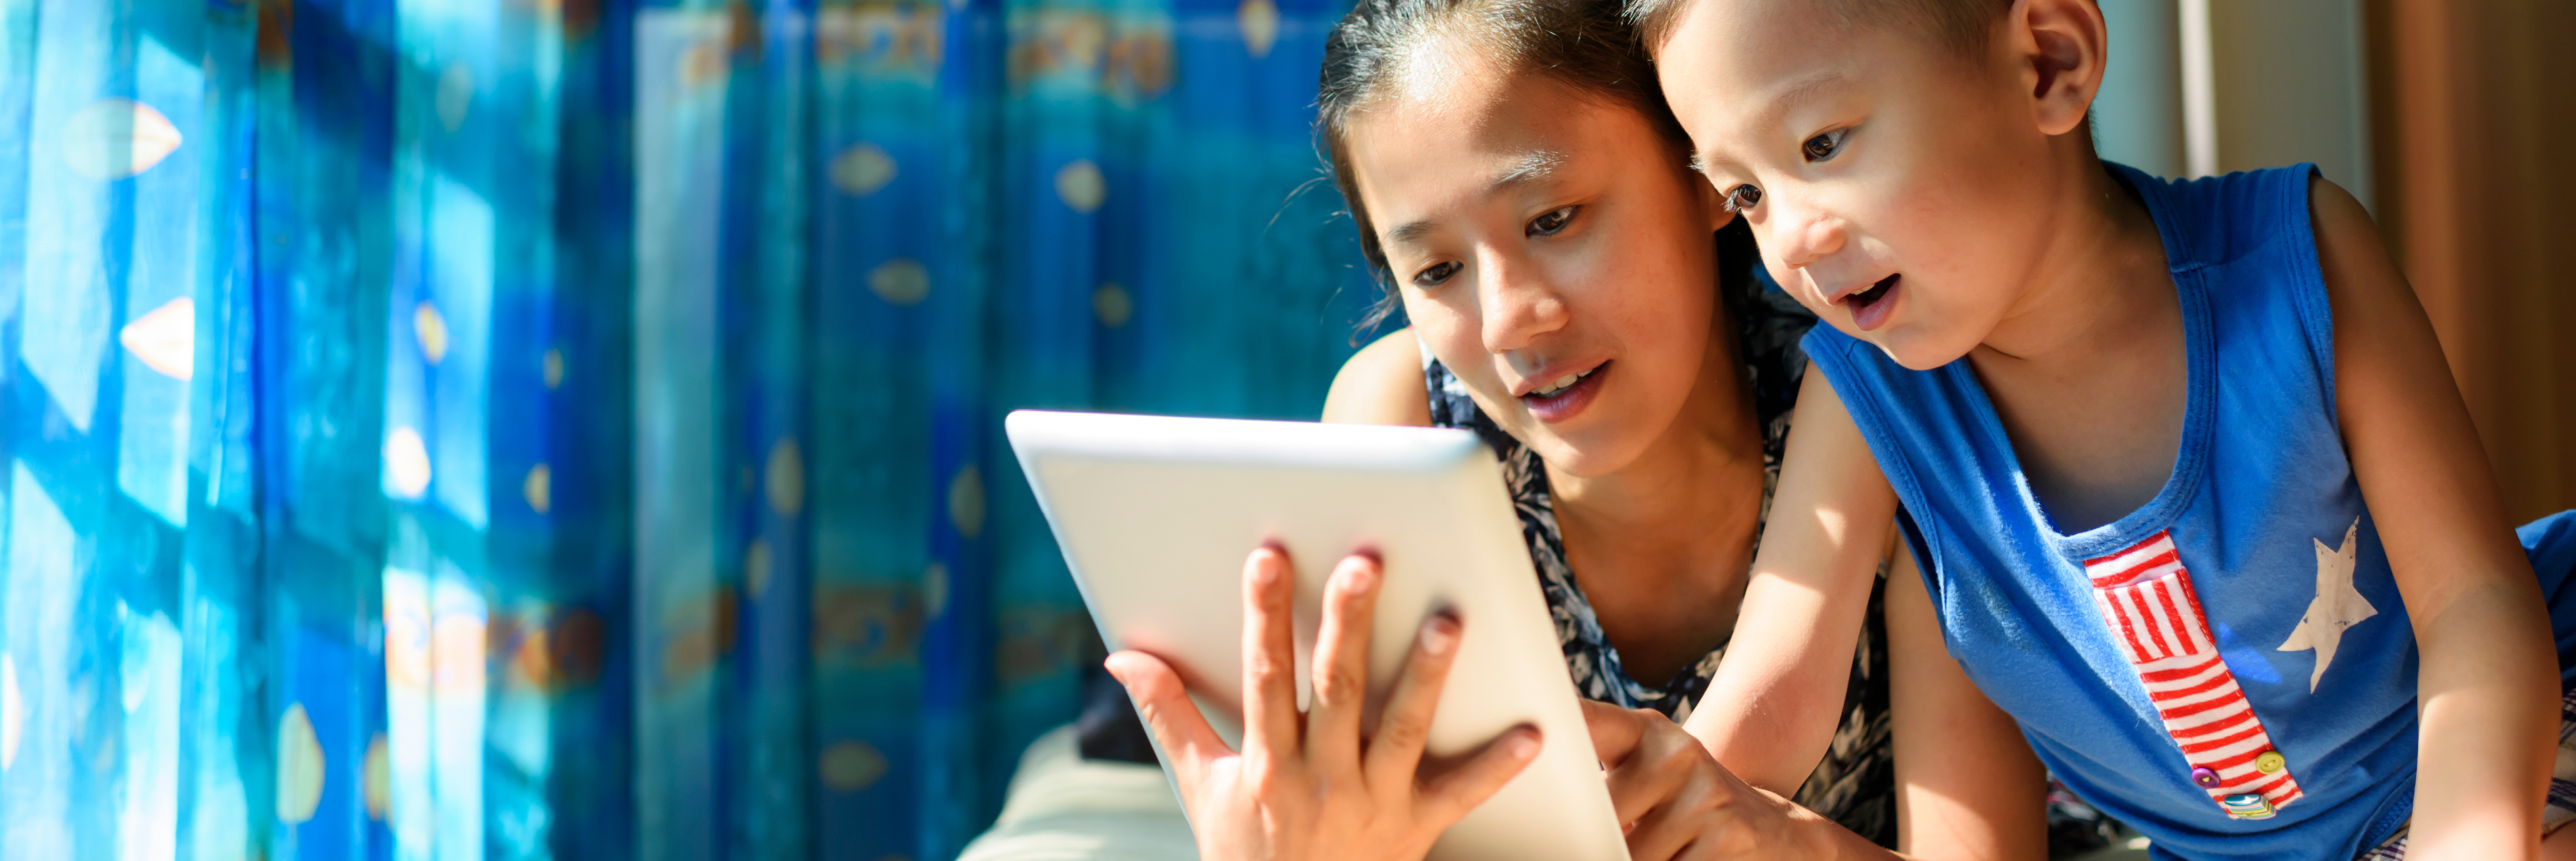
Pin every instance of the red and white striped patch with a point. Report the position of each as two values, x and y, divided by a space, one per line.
2155 619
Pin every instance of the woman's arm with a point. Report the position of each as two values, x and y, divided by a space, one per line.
1381 385
1771 710
2487 687
1967 786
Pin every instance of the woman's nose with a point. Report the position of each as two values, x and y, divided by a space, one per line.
1518 305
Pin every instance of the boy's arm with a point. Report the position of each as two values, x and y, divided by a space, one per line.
1771 710
1967 785
1381 385
1968 788
2487 690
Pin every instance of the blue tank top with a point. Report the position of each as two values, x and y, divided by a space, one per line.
2229 668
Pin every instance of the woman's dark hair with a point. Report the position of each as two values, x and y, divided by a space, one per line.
1586 44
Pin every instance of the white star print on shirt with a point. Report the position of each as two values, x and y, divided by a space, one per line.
2337 606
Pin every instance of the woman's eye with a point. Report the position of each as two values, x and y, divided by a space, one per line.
1825 146
1743 197
1550 223
1433 276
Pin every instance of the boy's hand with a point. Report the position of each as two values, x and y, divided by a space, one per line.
1312 785
1677 802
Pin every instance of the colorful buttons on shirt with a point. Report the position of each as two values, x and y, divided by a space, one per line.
2270 762
2247 806
2204 778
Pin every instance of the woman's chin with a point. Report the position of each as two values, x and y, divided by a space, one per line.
1598 449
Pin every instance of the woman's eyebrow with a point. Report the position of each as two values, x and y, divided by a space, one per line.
1532 166
1410 231
1536 165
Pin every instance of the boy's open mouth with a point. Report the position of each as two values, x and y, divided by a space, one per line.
1869 308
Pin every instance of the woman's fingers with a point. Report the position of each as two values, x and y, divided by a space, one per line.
1341 665
1667 790
1670 828
1693 806
1447 797
1615 731
1270 718
1165 705
1655 768
1395 749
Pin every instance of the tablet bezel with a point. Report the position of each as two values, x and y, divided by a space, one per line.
1156 514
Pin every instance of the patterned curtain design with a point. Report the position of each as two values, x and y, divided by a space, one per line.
458 429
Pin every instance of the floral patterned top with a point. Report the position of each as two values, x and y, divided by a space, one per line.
1855 784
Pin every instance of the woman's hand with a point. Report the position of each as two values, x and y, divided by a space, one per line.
1312 785
1677 802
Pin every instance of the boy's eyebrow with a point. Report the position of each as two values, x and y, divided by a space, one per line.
1790 97
1805 89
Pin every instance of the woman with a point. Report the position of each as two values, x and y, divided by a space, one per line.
1516 177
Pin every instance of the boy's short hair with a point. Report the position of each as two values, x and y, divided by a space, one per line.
1960 24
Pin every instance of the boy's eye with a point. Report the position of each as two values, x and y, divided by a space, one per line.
1825 146
1743 197
1433 276
1551 222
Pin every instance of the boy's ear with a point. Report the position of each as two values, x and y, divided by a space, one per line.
2062 47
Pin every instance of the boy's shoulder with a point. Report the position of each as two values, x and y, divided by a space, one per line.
2222 219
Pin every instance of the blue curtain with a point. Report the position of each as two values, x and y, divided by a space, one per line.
446 429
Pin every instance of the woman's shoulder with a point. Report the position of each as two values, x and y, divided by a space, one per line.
1382 384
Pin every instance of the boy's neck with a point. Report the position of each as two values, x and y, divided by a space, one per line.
2088 369
2103 266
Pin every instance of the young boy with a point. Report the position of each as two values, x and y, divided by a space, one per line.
2198 510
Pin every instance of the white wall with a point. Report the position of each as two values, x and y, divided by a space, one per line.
2137 116
2286 83
2292 87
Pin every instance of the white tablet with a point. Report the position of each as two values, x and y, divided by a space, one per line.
1156 516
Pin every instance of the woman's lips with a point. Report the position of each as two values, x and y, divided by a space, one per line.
1568 402
1870 308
